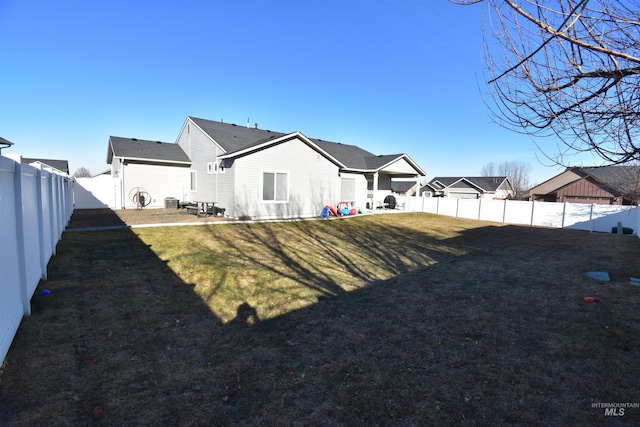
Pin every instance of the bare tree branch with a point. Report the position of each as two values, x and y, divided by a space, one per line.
569 69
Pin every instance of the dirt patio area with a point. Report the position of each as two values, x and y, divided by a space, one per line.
89 218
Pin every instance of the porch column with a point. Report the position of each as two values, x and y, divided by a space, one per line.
375 191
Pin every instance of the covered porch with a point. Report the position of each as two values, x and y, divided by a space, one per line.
380 188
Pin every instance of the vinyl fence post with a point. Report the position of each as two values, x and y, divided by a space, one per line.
22 272
504 210
533 205
41 242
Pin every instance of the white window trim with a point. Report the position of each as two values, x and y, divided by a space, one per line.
210 168
193 184
262 172
221 166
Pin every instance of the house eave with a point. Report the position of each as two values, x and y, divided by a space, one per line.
149 160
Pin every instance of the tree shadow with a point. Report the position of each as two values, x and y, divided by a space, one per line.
442 330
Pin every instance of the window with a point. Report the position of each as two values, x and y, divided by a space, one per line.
193 180
347 189
275 186
215 168
369 188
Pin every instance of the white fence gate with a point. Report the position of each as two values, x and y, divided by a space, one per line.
578 216
35 207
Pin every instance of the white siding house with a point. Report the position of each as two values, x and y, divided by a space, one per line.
156 170
251 172
258 173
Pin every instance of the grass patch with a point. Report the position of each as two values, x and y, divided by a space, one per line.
377 320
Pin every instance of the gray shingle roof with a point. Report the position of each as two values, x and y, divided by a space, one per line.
621 178
350 155
233 138
132 148
61 165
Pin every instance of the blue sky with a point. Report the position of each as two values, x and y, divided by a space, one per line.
397 76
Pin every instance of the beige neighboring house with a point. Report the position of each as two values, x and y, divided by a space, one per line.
604 185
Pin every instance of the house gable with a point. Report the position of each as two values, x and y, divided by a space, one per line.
274 140
312 180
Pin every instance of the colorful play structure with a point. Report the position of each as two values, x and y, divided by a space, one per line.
343 209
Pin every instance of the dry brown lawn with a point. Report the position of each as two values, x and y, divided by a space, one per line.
408 319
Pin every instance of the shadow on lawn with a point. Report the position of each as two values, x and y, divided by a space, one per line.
350 256
456 335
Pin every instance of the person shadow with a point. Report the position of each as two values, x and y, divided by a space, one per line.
246 315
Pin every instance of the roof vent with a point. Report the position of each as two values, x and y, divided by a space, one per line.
134 139
159 142
256 124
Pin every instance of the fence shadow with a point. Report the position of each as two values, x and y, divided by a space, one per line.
116 331
456 330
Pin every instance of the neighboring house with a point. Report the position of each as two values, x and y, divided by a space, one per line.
157 170
482 187
263 174
606 185
60 166
4 143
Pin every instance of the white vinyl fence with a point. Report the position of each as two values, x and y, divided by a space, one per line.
35 207
578 216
